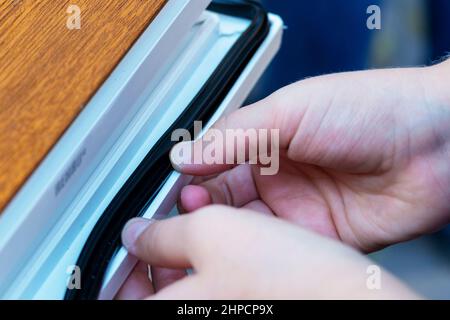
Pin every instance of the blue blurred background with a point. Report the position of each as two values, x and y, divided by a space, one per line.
324 36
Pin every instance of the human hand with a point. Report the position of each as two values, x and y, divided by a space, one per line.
239 254
365 157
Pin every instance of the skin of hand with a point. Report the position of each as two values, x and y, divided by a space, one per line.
365 159
238 253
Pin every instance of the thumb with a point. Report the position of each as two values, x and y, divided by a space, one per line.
253 133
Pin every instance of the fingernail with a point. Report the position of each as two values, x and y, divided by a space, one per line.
181 154
131 232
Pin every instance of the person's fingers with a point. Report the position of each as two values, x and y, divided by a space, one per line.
322 121
193 197
241 134
200 179
159 243
163 277
259 206
199 199
234 188
138 285
181 242
189 288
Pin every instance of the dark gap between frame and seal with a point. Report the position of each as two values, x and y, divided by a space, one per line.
148 178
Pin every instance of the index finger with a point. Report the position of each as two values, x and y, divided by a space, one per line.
159 243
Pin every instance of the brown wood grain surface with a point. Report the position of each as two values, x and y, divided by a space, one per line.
48 72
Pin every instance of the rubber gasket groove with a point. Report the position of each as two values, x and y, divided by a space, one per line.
146 181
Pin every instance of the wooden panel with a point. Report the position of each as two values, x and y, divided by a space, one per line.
48 72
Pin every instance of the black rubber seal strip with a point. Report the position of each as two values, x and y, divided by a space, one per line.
146 181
